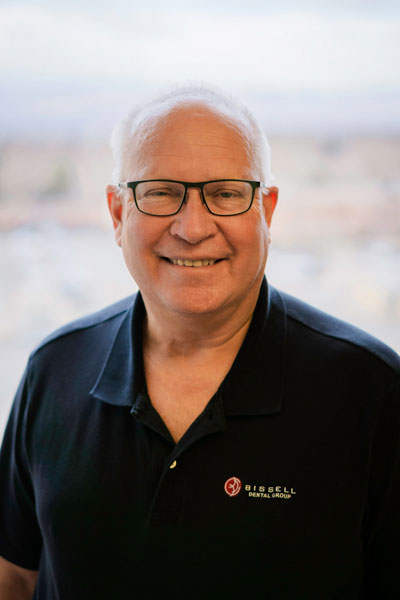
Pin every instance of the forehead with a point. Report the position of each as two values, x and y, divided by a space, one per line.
189 136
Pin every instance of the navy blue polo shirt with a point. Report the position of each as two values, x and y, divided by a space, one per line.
286 486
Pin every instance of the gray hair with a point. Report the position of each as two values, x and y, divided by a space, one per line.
125 134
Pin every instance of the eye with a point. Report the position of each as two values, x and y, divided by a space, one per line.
159 192
227 194
153 191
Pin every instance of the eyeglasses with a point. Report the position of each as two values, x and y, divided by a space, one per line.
221 197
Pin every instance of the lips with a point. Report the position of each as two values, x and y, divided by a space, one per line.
188 262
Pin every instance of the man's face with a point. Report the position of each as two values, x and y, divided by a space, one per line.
187 147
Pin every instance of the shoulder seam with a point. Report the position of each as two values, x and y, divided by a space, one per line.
343 338
53 337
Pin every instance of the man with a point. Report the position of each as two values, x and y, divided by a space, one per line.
211 436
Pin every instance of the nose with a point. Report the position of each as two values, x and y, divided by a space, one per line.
193 223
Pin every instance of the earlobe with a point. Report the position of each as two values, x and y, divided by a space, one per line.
269 203
115 207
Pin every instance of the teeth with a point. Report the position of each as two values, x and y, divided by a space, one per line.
186 262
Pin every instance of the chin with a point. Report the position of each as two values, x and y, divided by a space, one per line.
196 301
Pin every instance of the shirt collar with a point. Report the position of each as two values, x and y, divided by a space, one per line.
254 384
122 375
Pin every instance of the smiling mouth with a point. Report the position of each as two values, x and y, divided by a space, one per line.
186 262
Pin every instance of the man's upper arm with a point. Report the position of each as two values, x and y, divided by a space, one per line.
16 583
20 537
382 525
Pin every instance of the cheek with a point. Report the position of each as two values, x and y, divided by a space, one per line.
132 244
263 230
264 242
259 244
140 237
133 230
257 236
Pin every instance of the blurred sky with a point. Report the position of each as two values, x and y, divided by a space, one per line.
303 66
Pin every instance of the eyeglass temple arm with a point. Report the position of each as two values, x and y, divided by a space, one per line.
264 187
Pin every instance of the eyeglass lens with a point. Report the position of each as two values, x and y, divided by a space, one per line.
222 197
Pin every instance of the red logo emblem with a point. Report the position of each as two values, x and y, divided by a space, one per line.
232 486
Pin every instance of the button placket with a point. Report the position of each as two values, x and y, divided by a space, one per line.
167 502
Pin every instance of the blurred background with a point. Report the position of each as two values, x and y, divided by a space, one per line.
321 76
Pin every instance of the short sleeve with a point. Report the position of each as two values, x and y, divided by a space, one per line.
20 538
382 524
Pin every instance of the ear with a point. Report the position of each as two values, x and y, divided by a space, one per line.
115 206
269 201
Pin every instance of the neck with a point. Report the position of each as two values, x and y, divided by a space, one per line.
172 334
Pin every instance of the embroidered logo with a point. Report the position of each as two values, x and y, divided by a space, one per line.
232 486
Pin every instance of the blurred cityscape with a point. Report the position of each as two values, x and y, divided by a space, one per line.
335 236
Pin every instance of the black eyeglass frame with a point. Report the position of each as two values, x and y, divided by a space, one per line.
197 184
